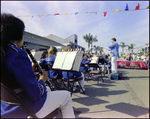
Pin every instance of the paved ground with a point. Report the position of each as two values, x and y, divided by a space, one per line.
127 98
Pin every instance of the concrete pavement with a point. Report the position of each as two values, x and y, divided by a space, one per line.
128 98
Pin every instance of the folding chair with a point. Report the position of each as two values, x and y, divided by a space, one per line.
7 95
57 85
99 72
71 83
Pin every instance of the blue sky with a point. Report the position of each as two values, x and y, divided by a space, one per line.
128 26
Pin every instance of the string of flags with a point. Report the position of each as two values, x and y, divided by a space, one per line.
76 13
139 47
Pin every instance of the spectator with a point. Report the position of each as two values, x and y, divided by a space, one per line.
147 60
138 57
129 57
134 56
95 54
143 57
124 56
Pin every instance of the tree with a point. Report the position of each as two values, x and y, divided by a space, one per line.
142 50
94 39
88 39
130 47
122 44
98 48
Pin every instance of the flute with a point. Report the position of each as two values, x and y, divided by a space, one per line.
24 47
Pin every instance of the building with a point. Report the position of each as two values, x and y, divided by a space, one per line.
39 42
73 40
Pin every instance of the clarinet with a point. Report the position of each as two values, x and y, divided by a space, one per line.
24 47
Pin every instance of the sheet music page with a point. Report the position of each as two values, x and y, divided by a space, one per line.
37 55
60 58
94 60
67 65
77 61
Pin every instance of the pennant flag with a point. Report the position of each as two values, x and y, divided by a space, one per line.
137 7
96 13
147 7
48 15
116 11
18 16
105 13
56 14
127 8
65 13
86 12
25 17
40 16
32 16
76 13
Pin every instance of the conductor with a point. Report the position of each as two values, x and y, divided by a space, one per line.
114 54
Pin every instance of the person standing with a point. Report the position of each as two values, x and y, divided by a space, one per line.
124 56
114 54
134 57
147 60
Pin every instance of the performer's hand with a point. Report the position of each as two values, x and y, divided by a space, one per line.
44 76
34 67
109 49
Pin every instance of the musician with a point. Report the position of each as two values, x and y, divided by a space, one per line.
50 61
43 62
114 53
84 61
71 75
18 75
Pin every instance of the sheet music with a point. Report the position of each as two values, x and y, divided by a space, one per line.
60 58
94 60
77 61
67 65
36 55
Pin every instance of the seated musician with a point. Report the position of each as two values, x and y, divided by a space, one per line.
84 62
50 61
71 75
43 62
18 75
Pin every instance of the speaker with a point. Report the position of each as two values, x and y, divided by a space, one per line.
116 76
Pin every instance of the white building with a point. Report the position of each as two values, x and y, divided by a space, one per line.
39 42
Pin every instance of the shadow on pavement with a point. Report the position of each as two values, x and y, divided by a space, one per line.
129 109
94 92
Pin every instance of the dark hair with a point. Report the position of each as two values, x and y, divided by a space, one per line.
44 54
68 47
114 39
12 29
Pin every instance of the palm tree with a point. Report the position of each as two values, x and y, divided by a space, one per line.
96 48
130 47
94 39
122 44
88 39
142 50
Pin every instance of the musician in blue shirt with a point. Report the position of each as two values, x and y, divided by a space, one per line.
71 75
17 74
114 54
43 62
50 61
85 62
